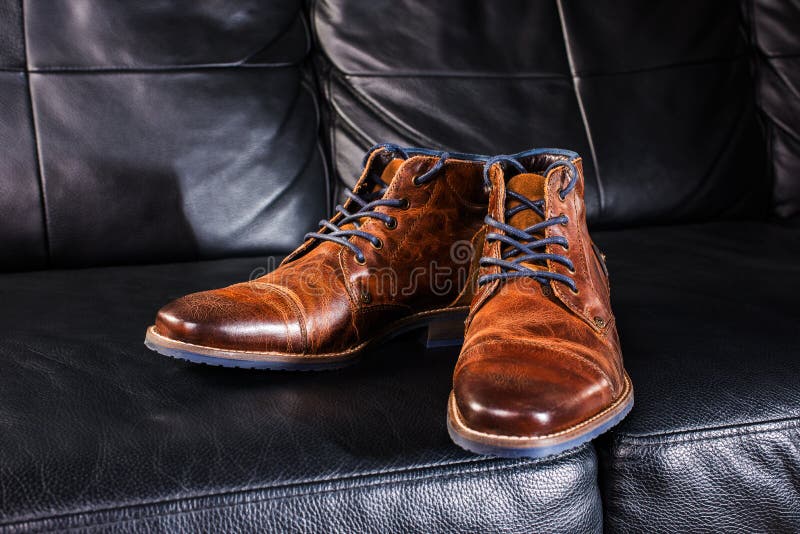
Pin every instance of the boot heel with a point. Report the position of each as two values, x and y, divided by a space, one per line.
446 331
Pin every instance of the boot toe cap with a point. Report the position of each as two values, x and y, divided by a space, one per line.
234 318
533 394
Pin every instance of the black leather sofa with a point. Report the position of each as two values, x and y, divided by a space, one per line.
150 149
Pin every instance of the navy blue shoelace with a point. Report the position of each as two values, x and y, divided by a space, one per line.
524 245
367 202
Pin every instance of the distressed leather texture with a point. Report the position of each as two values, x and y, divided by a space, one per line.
149 132
322 300
540 359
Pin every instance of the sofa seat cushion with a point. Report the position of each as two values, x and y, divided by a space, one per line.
97 431
710 328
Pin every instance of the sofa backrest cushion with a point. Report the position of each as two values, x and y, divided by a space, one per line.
657 96
155 131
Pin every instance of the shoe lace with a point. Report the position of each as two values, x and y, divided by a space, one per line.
367 202
524 245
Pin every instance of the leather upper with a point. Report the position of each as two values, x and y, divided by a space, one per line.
539 359
321 300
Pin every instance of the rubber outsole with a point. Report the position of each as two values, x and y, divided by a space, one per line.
303 362
513 446
202 359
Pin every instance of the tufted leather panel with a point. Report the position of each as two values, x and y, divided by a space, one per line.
97 431
775 27
159 130
708 322
666 119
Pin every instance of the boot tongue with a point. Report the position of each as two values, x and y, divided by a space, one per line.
390 170
386 177
530 186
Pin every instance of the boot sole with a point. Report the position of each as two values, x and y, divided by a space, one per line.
445 329
537 446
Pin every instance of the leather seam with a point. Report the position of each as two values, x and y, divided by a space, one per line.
383 115
562 296
471 283
37 147
584 251
302 321
534 344
544 77
479 465
707 434
407 233
356 348
487 291
467 204
574 77
286 315
345 272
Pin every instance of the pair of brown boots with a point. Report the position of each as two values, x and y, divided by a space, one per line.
540 370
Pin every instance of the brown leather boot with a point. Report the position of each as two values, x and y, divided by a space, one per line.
393 258
540 370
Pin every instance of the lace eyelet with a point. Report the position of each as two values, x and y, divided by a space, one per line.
377 246
566 246
405 204
366 298
565 219
416 182
570 271
575 291
391 224
562 196
361 261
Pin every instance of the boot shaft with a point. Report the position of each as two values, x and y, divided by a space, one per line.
560 174
423 247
